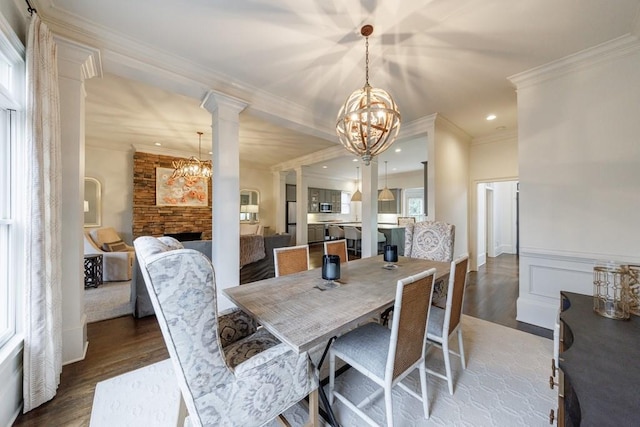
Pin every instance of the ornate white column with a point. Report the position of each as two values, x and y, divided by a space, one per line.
280 197
370 209
302 202
225 113
76 63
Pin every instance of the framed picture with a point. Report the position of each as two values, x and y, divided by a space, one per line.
180 191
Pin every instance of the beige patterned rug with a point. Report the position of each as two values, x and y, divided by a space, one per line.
505 384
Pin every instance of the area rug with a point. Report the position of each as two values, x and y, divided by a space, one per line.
107 301
505 384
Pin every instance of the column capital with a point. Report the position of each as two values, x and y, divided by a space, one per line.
76 60
224 104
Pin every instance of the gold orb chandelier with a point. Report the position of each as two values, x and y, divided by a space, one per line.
369 121
193 167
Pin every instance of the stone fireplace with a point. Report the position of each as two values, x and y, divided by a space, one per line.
152 220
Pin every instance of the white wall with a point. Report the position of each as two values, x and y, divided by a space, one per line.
451 169
114 169
493 158
579 176
504 209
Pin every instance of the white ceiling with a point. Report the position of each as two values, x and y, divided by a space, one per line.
450 57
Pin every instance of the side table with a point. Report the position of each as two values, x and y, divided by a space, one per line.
92 271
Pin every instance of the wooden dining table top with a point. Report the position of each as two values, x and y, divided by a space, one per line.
303 316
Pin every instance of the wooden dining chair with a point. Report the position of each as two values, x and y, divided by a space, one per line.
291 259
443 324
363 347
337 247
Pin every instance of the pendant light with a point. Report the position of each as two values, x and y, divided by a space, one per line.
368 122
385 195
193 167
357 196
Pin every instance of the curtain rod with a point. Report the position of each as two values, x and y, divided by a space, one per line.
29 8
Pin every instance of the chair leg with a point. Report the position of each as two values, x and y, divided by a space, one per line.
447 363
332 375
423 386
461 348
388 406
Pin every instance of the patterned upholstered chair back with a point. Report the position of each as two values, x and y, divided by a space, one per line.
432 240
214 356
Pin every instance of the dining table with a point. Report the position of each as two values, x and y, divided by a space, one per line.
305 311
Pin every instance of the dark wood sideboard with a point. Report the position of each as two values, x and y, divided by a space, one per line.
599 367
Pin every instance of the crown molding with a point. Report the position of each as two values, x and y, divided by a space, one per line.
607 51
502 136
418 127
128 57
443 121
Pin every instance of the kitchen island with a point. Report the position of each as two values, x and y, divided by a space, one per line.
394 233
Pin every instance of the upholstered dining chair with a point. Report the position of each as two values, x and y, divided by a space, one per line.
229 372
388 356
337 247
432 240
291 259
443 324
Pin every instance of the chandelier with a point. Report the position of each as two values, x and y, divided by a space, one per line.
385 195
193 167
357 196
369 121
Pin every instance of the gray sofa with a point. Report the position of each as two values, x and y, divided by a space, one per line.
258 270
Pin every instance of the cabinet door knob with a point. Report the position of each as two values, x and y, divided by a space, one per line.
553 367
552 416
552 382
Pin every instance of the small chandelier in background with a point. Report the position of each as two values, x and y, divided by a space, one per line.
369 121
193 167
386 194
357 196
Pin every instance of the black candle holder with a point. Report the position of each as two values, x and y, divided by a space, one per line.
330 270
390 256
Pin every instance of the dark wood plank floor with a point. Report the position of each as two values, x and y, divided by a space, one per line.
121 345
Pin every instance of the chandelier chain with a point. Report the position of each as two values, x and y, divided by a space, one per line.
367 61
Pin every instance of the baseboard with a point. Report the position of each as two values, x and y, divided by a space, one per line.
537 312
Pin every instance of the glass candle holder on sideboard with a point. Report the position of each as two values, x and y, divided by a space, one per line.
611 290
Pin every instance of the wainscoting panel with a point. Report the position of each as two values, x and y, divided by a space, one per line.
544 274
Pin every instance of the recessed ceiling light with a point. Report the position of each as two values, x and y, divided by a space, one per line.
393 169
354 160
324 166
157 144
398 150
491 117
210 152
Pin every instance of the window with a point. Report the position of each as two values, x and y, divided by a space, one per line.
12 88
414 203
345 202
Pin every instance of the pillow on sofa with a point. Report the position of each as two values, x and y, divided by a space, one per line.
117 246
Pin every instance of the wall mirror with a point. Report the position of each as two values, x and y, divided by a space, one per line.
249 205
92 202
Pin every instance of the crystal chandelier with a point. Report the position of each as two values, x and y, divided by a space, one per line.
193 167
369 121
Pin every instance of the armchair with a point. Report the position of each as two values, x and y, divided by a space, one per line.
229 372
117 263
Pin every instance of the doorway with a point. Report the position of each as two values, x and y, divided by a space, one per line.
497 221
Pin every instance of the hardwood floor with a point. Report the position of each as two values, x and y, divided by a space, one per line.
120 345
116 346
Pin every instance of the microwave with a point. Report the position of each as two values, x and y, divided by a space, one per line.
326 207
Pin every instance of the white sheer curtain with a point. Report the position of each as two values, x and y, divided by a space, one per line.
43 317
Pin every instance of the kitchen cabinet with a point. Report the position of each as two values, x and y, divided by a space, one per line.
323 195
291 193
391 206
315 233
